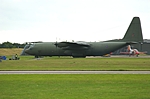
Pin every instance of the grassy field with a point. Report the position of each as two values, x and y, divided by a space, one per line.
67 63
74 86
10 51
91 86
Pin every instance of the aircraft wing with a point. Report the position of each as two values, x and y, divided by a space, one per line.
143 52
131 42
126 53
73 45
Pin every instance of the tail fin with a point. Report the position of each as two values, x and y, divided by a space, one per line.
134 31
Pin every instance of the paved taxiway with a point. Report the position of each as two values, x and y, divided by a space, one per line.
74 72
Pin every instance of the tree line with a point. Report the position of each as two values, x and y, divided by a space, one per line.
11 45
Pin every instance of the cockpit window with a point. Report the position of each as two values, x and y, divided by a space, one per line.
31 47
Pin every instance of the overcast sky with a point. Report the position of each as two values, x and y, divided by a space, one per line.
79 20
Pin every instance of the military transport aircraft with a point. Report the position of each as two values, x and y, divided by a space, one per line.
82 49
133 52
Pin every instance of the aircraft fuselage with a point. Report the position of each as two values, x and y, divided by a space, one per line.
95 49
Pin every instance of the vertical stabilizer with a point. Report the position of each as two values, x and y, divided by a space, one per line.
134 31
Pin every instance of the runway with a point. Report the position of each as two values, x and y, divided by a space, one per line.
74 72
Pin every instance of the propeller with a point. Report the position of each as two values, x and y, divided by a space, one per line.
56 44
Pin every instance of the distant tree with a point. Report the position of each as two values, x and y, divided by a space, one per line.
11 45
22 45
6 45
16 45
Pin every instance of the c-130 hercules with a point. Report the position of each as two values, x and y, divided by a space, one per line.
82 49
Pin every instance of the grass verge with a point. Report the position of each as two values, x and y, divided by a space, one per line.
90 86
47 63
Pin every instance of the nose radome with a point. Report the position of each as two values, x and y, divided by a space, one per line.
27 51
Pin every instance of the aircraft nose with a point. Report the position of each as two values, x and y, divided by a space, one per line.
27 51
